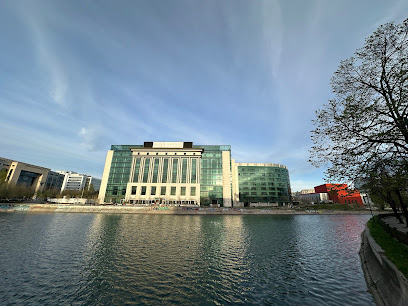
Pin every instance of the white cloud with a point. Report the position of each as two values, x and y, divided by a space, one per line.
91 138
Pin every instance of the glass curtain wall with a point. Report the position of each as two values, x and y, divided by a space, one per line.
165 170
119 172
263 184
174 172
211 183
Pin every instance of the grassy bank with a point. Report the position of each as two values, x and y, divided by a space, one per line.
394 250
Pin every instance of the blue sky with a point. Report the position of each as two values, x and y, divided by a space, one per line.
78 76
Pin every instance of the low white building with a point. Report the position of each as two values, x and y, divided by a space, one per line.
306 191
314 198
76 181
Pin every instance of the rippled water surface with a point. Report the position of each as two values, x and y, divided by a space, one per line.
164 259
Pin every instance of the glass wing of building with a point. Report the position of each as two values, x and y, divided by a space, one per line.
211 191
119 172
265 184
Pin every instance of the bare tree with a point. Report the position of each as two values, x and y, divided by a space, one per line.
367 121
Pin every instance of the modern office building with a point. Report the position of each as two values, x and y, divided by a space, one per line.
263 183
76 181
54 180
181 173
24 174
40 177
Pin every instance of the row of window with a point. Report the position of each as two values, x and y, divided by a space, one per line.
169 173
154 190
260 169
138 153
162 202
258 193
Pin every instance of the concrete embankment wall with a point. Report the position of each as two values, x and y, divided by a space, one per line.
111 209
385 282
170 210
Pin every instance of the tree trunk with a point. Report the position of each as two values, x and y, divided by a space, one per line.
394 207
403 206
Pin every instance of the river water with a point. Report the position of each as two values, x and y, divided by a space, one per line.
63 259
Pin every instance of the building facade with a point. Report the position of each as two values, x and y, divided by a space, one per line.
54 180
263 183
24 174
181 173
76 181
334 193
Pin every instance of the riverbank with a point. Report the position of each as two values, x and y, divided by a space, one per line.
386 282
170 210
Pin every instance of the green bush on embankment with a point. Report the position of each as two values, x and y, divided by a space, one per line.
394 250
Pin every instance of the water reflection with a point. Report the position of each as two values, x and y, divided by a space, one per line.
328 249
165 259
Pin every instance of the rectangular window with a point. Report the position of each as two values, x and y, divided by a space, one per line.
143 190
123 191
174 172
137 168
194 171
155 170
183 191
134 188
184 171
153 190
193 191
163 191
165 168
146 170
173 191
115 190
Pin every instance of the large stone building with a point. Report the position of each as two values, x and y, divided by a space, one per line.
185 174
24 174
40 177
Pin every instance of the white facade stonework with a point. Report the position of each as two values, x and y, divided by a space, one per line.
169 169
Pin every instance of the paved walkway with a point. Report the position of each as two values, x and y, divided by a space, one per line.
393 222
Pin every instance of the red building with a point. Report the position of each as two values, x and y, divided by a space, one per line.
339 193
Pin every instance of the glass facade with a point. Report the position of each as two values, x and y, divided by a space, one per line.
184 171
120 171
266 183
194 171
146 170
54 180
263 184
27 178
137 168
211 190
165 170
155 170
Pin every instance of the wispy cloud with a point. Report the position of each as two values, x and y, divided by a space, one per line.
48 57
245 73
